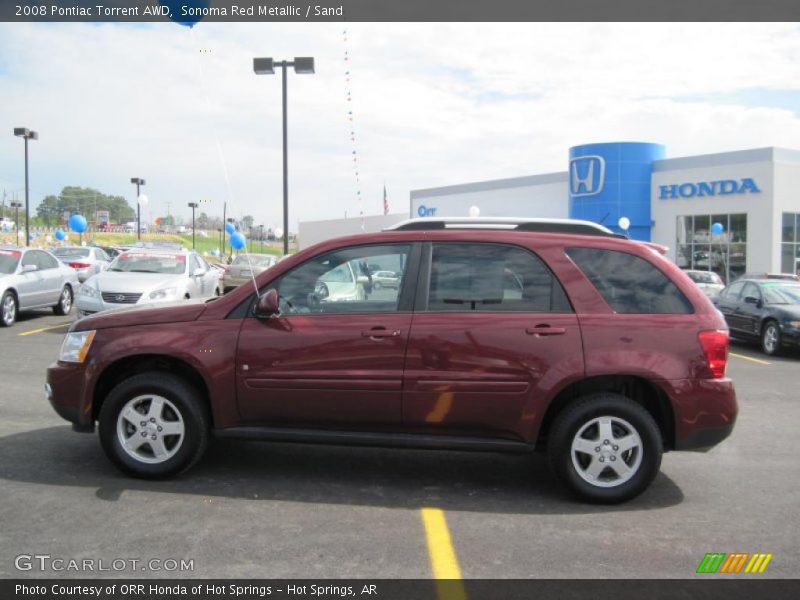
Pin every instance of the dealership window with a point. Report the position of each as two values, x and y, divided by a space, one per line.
723 253
790 246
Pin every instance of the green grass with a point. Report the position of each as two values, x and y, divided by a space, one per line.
202 244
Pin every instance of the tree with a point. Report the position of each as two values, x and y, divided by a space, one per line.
85 201
247 222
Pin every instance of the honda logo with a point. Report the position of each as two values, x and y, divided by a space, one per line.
586 175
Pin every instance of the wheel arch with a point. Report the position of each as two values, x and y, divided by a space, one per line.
645 393
128 366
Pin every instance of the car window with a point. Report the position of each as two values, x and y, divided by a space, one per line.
193 263
628 283
100 254
341 282
144 262
29 258
45 261
704 277
733 291
751 290
492 277
72 252
202 262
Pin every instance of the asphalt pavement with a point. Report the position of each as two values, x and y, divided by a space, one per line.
272 510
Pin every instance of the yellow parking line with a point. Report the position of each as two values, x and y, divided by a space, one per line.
444 562
758 361
32 331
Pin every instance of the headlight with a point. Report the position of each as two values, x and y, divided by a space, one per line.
163 293
88 291
76 346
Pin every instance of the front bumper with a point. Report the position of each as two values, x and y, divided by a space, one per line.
65 389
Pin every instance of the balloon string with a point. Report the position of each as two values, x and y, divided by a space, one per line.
350 118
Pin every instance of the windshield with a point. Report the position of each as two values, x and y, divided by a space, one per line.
71 252
257 260
8 261
704 277
781 293
141 262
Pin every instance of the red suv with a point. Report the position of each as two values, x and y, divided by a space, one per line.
502 335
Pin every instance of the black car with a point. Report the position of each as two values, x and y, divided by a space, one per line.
767 309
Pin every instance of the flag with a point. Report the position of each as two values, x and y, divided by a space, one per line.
385 201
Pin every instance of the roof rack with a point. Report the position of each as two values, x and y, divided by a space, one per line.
574 226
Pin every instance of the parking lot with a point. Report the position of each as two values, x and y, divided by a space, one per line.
253 509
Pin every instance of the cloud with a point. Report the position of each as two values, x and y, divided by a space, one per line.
434 104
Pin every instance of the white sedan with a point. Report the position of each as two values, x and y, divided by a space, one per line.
146 276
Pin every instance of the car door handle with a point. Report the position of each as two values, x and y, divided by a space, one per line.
544 330
380 333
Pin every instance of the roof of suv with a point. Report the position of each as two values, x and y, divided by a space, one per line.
574 226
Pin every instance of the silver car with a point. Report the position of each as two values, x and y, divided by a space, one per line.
708 281
244 267
147 276
86 260
32 278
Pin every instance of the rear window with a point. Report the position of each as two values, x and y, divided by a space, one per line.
630 284
704 277
71 252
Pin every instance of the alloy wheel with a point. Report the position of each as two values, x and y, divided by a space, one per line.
606 451
150 429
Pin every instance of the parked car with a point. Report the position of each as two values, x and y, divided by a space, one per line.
764 309
708 281
148 276
112 251
86 260
607 356
388 279
243 268
784 276
32 278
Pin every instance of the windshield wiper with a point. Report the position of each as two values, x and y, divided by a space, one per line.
141 271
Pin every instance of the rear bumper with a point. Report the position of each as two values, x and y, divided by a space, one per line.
705 411
65 387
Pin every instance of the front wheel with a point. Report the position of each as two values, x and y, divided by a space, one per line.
8 309
605 448
64 302
154 425
771 338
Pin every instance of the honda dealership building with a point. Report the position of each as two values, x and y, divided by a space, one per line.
730 212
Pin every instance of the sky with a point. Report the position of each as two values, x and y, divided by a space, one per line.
432 104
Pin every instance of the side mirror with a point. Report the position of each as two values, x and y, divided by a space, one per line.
29 268
267 305
752 300
199 272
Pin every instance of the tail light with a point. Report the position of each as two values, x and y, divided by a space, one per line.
715 348
79 265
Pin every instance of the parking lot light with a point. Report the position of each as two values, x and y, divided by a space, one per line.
138 181
26 134
303 65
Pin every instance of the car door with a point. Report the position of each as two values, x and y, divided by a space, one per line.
31 283
194 287
210 279
492 330
328 359
51 277
750 309
728 302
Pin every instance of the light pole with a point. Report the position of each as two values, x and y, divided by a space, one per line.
303 65
193 205
16 206
26 134
261 237
138 181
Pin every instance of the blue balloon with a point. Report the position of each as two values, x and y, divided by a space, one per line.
238 241
717 228
230 229
60 235
77 223
175 12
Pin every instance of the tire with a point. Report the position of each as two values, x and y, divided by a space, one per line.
164 402
64 302
580 470
376 285
771 338
8 309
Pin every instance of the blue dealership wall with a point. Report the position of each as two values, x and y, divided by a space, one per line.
612 180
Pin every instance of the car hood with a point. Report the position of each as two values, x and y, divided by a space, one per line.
179 311
133 283
788 311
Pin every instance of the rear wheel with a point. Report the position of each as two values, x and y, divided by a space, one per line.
64 302
771 338
605 448
8 309
154 425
